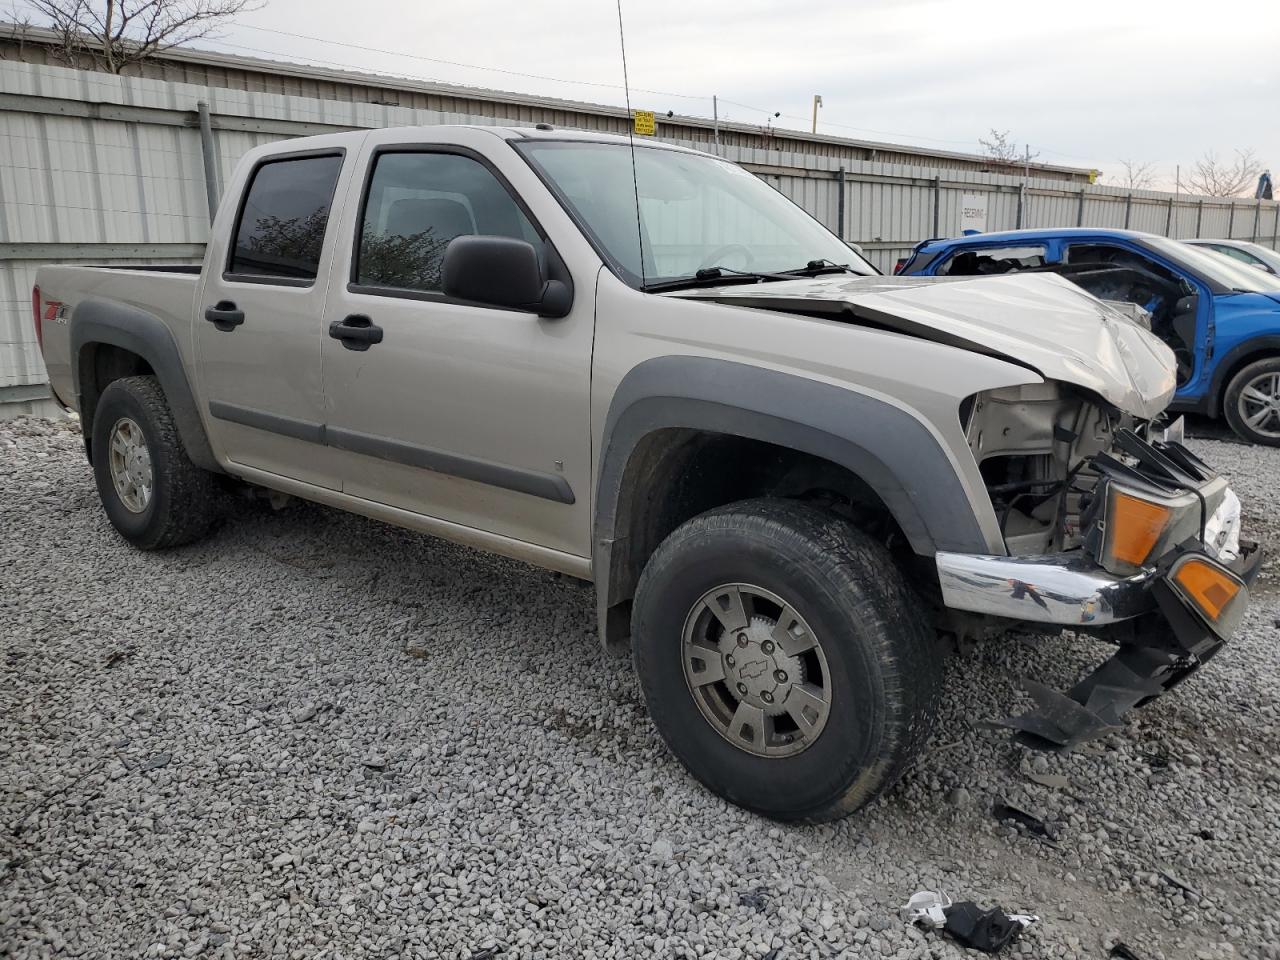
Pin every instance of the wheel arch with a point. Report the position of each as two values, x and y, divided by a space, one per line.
1235 360
110 341
653 474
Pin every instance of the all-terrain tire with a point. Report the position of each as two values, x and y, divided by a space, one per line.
884 666
183 500
1258 376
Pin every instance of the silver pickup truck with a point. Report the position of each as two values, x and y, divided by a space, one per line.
789 478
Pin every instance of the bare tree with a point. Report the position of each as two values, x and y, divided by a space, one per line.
20 20
1218 178
998 146
117 33
1135 175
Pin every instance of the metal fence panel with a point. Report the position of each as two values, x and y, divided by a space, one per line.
94 165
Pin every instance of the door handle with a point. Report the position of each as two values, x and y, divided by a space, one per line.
224 315
357 332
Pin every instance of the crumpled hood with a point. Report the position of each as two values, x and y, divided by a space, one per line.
1038 320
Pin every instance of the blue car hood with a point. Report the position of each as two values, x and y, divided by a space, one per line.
1269 299
1036 319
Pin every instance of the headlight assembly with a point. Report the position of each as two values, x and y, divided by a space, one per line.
1136 527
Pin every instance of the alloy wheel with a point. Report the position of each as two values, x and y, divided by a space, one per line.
756 670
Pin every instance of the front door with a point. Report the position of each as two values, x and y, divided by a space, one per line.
1178 307
258 319
469 414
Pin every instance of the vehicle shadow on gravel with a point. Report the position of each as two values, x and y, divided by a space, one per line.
313 731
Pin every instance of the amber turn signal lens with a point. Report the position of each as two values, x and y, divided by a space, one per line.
1134 528
1208 587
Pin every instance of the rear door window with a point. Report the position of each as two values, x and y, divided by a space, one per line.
985 261
282 222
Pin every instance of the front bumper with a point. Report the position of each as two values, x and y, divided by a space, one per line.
1067 589
1162 638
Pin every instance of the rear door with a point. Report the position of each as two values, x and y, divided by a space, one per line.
259 316
470 414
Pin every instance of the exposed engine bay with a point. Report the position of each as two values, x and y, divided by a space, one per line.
1034 445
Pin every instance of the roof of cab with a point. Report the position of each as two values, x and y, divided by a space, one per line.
424 133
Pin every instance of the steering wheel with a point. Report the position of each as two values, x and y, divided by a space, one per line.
714 258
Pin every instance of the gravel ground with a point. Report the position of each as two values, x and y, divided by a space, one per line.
316 736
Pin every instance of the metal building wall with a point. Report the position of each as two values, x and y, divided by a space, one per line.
107 169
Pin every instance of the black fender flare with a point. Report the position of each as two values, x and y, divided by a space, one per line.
891 450
1240 354
95 321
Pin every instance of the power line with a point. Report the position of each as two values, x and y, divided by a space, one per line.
612 86
552 79
469 66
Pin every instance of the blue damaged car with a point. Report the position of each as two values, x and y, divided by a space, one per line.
1222 319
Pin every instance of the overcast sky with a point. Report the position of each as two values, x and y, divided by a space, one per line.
1086 83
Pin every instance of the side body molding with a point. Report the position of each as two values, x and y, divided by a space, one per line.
888 448
102 321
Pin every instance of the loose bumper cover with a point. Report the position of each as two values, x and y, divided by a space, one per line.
1162 637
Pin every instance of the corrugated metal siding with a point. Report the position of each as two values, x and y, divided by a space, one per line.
73 180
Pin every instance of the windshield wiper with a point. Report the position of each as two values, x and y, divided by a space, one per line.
713 276
816 268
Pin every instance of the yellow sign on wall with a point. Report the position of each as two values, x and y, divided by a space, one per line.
644 123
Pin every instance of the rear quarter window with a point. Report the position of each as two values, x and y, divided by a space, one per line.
282 222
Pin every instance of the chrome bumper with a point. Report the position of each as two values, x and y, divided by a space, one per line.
1067 588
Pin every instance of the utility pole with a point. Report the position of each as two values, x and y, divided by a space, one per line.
817 102
715 121
1177 195
1026 163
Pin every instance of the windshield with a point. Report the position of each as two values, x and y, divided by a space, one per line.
696 212
1214 266
1266 255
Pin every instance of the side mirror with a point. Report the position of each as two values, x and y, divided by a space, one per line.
1186 305
502 272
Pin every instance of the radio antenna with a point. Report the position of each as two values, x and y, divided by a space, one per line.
631 136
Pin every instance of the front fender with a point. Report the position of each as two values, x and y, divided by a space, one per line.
889 449
892 451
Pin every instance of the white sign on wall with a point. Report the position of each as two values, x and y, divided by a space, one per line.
973 212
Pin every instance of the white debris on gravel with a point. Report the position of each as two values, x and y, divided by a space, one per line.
315 736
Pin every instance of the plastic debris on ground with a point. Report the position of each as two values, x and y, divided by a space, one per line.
987 929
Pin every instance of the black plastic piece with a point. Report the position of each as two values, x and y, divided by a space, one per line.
1029 821
1163 649
987 930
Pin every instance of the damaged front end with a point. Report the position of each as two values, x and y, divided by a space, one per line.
1112 530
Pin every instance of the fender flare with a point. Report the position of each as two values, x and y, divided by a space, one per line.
891 450
97 321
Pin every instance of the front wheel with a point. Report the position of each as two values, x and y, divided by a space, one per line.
1251 402
783 659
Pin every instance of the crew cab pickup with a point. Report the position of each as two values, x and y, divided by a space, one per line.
640 365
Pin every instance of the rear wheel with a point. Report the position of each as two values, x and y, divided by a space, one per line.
153 494
783 659
1251 402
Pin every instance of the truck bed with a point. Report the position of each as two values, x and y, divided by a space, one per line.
166 290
